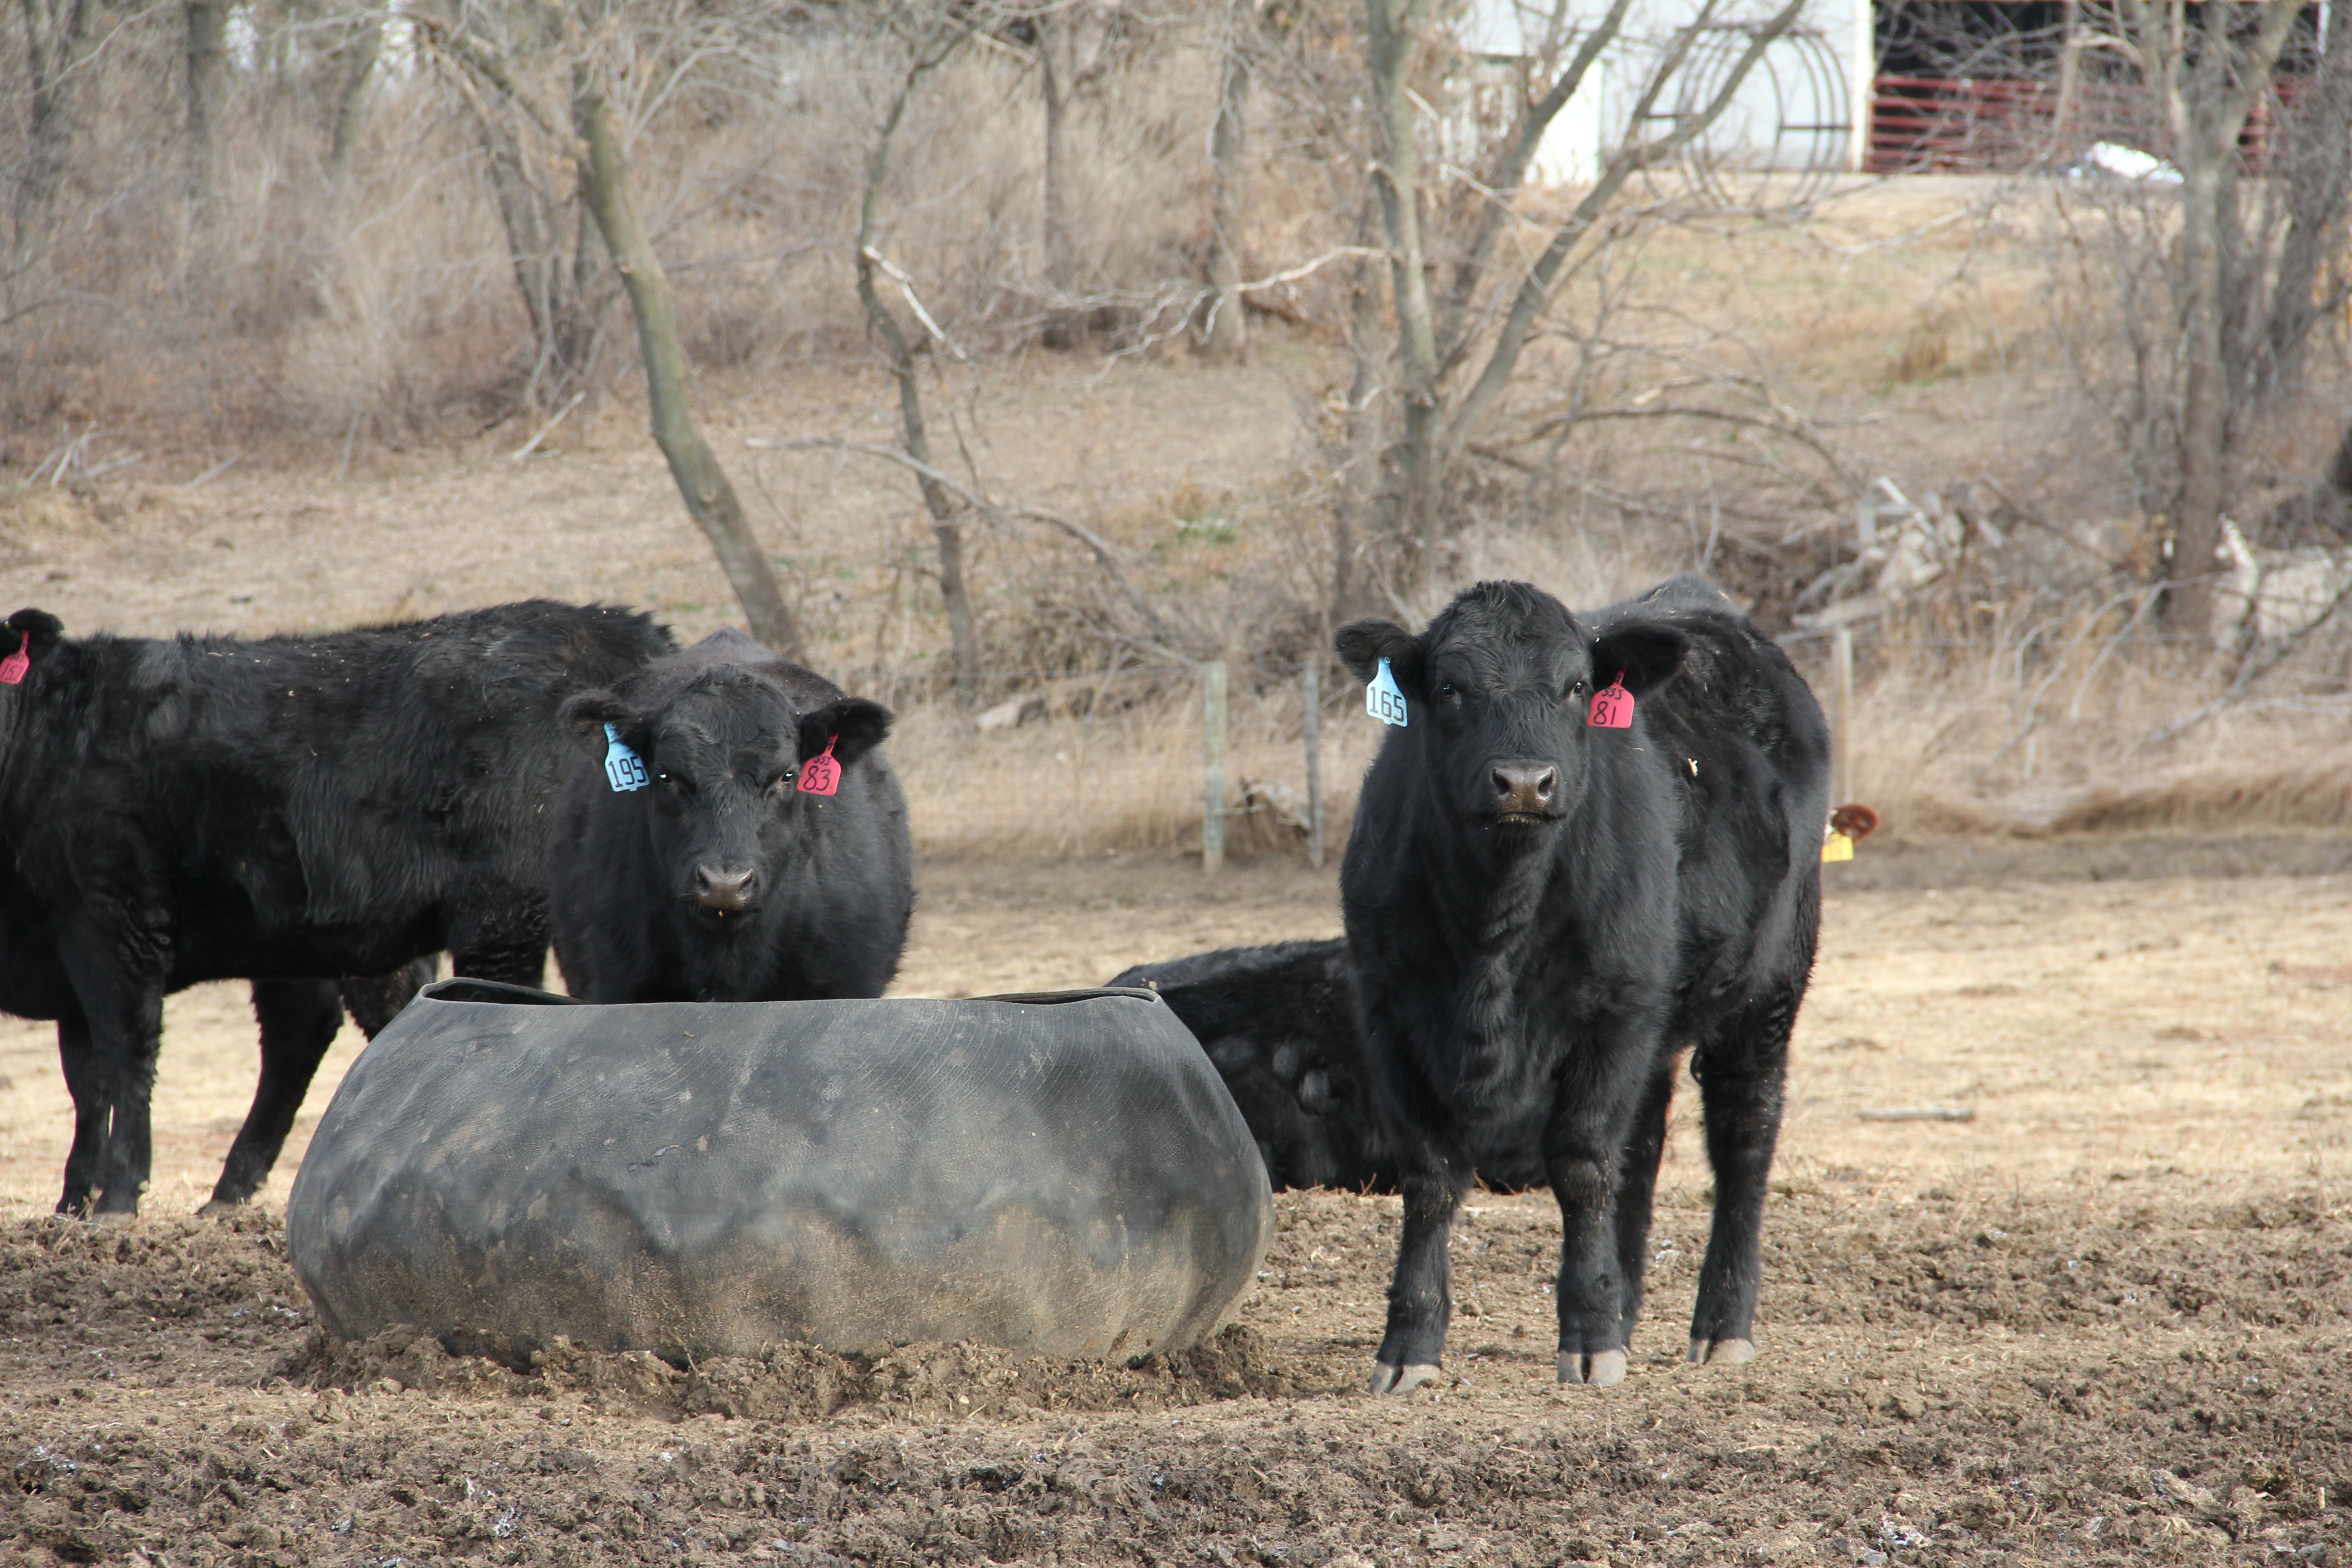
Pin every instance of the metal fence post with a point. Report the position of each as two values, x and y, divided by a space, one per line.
1310 684
1212 766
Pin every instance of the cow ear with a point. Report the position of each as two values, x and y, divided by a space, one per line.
1649 653
45 631
1363 644
587 714
852 725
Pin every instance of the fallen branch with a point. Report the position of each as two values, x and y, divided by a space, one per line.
1918 1113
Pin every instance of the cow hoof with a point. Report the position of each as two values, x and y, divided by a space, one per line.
1601 1369
217 1208
1722 1353
1387 1378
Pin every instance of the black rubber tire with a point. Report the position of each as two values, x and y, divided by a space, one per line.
1060 1173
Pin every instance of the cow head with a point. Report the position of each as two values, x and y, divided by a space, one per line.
1497 690
725 751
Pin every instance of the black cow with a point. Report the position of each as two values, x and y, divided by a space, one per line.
734 837
1279 1024
290 809
1542 913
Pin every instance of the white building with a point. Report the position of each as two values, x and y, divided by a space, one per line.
1803 108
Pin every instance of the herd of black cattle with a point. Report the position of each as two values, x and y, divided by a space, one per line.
1585 845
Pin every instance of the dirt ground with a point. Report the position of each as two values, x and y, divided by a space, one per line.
2108 1320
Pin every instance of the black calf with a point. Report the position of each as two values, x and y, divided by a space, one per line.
1542 913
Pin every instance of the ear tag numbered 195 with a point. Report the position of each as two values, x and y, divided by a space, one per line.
13 668
821 775
623 769
1383 699
1613 706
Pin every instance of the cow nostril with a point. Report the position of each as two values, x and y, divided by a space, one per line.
1504 783
724 886
1546 782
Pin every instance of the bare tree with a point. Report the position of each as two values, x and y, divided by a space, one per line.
2206 79
57 36
1228 335
934 41
595 144
2190 305
207 23
1455 351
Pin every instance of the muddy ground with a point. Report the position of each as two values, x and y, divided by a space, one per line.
2108 1321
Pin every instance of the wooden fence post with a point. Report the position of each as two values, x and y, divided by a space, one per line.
1212 766
1310 684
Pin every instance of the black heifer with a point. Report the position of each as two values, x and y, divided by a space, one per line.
756 849
289 809
1279 1024
1542 913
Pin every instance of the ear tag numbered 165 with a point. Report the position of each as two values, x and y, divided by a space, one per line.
821 775
623 769
1613 706
1383 699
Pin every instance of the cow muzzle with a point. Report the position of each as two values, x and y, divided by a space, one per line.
1525 791
725 889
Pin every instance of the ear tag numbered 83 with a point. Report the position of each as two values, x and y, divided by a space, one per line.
1383 699
1613 706
821 775
623 769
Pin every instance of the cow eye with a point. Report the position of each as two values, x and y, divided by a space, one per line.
1445 692
678 783
1576 688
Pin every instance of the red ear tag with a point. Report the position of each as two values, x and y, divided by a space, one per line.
13 668
821 775
1613 706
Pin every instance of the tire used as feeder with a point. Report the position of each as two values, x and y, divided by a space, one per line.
1060 1173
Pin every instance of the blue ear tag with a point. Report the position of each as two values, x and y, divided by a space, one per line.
623 767
1383 700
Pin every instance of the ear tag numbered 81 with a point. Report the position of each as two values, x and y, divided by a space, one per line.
623 769
1383 699
821 775
1613 706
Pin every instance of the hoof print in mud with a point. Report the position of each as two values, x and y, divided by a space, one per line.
1060 1173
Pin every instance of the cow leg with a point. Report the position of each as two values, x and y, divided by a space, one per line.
1421 1297
298 1021
1637 1187
376 1000
93 1109
511 949
1742 1068
124 1007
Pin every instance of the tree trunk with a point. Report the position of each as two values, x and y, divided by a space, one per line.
1405 506
2319 186
350 110
554 287
1061 329
55 34
709 499
1228 334
964 634
2197 527
208 23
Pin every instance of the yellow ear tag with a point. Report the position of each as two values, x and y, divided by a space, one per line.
1837 846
